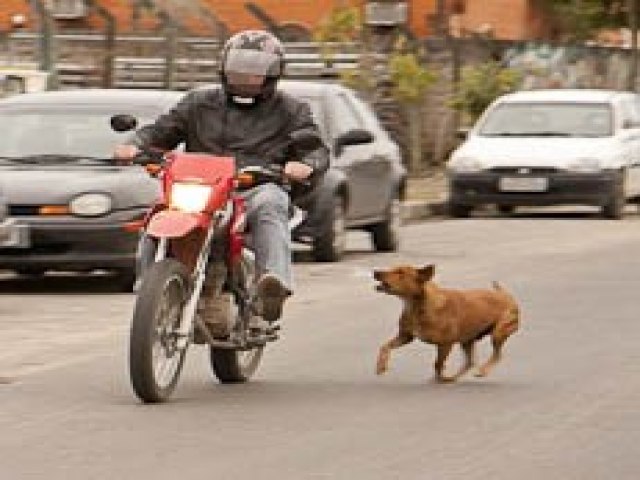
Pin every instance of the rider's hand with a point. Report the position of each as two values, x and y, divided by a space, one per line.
297 171
126 153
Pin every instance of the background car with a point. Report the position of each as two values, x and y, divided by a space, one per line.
550 147
365 184
7 235
76 210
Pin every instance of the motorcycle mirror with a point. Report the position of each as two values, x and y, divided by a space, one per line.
123 122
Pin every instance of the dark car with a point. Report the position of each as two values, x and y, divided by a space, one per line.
7 232
365 184
72 208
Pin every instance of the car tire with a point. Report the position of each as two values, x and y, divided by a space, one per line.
614 208
329 242
458 210
386 235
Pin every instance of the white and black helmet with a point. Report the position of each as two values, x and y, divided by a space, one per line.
251 64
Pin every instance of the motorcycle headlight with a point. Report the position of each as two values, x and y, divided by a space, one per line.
465 165
585 165
90 205
190 197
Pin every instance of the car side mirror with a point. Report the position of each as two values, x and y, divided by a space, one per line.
627 124
357 136
123 123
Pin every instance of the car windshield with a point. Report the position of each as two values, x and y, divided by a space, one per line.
72 133
549 119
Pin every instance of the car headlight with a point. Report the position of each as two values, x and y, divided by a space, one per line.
465 165
91 205
190 197
585 165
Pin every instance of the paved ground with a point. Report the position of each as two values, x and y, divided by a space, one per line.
562 405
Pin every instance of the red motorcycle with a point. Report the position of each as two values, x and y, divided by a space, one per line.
198 230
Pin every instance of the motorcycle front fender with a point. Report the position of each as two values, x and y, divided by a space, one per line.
174 224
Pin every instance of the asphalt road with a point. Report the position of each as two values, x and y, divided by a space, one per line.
562 405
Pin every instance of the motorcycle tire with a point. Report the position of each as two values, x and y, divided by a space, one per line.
158 310
235 365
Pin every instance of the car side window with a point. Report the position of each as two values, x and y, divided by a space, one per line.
344 117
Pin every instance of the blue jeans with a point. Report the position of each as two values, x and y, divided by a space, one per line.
268 225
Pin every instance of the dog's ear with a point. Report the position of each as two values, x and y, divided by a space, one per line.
426 273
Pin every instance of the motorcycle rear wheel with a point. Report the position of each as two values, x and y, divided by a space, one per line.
155 363
235 365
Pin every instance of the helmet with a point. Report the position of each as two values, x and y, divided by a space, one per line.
251 64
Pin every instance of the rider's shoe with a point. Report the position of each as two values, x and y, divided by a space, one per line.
271 294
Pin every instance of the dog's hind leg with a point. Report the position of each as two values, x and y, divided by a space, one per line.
443 353
469 358
383 356
500 333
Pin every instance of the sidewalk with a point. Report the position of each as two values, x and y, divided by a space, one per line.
426 196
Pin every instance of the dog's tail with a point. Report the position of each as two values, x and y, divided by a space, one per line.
499 288
514 311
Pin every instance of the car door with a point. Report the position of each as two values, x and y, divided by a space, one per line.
357 161
381 170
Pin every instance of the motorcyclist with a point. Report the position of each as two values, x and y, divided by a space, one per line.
247 118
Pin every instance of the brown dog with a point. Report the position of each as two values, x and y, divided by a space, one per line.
445 317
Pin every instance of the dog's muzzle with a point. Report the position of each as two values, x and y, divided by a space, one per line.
382 286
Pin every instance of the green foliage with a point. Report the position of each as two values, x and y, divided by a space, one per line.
480 85
342 24
409 78
579 19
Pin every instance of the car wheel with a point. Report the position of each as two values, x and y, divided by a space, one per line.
457 210
329 243
386 235
614 208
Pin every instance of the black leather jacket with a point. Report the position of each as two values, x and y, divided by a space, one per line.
207 122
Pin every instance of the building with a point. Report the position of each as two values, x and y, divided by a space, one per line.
505 19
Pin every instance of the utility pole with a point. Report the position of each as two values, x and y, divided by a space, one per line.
633 26
47 42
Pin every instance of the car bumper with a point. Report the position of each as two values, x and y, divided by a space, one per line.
71 245
557 188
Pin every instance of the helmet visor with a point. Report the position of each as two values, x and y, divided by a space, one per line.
251 62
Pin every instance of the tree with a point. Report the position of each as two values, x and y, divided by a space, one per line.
577 20
480 85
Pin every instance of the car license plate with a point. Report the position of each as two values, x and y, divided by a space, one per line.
524 184
14 235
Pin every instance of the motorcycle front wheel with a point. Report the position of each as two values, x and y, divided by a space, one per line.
235 365
155 362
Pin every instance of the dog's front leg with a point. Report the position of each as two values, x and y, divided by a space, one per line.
443 353
383 356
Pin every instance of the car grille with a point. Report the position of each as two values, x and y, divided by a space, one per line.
524 170
24 210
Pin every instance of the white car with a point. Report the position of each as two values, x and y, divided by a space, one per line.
550 147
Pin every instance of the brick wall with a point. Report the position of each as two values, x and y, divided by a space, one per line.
9 8
508 19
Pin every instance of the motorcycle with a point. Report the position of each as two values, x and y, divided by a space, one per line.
198 232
